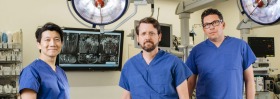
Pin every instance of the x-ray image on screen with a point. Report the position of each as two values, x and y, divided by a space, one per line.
88 43
70 43
88 49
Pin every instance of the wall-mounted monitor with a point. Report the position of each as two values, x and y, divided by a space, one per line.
262 46
166 40
87 49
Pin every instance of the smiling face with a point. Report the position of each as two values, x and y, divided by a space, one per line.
148 37
215 30
50 44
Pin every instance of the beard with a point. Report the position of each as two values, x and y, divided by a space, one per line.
149 48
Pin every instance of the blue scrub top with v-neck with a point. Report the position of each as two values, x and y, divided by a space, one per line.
220 69
158 80
47 83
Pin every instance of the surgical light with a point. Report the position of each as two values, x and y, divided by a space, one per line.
100 12
264 12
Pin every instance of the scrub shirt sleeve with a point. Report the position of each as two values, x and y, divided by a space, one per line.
190 62
181 72
29 80
248 56
123 79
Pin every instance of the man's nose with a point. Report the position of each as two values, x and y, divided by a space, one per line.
212 26
52 42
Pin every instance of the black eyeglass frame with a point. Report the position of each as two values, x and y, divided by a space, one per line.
213 23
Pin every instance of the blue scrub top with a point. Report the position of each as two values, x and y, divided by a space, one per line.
220 70
158 80
48 84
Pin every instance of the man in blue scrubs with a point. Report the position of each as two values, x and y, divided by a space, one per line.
221 63
43 79
153 73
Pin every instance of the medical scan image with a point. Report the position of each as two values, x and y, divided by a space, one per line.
70 43
89 49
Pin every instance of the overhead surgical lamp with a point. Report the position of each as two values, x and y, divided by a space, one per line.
100 12
264 12
103 12
259 13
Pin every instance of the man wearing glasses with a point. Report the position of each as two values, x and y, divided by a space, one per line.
220 64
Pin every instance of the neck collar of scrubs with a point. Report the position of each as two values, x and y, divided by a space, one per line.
209 43
158 55
46 64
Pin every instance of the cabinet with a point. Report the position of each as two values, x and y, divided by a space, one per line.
10 67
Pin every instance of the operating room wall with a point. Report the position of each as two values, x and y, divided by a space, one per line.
29 14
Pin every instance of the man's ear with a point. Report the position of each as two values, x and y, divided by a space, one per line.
159 36
38 45
137 38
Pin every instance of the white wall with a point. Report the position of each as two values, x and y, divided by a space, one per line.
29 14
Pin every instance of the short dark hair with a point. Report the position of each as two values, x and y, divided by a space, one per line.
150 20
211 11
48 26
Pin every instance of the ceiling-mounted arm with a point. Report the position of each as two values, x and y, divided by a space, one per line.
247 23
195 5
136 3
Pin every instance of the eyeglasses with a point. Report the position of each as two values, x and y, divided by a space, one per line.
214 23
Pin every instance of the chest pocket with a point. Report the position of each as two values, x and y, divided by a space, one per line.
160 77
231 61
138 85
160 80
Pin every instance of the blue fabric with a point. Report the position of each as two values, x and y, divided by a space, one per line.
4 37
158 80
220 70
48 84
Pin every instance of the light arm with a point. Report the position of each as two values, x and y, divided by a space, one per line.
191 84
249 83
126 95
182 90
28 94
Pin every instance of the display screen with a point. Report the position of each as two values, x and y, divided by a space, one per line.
262 46
166 36
87 49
